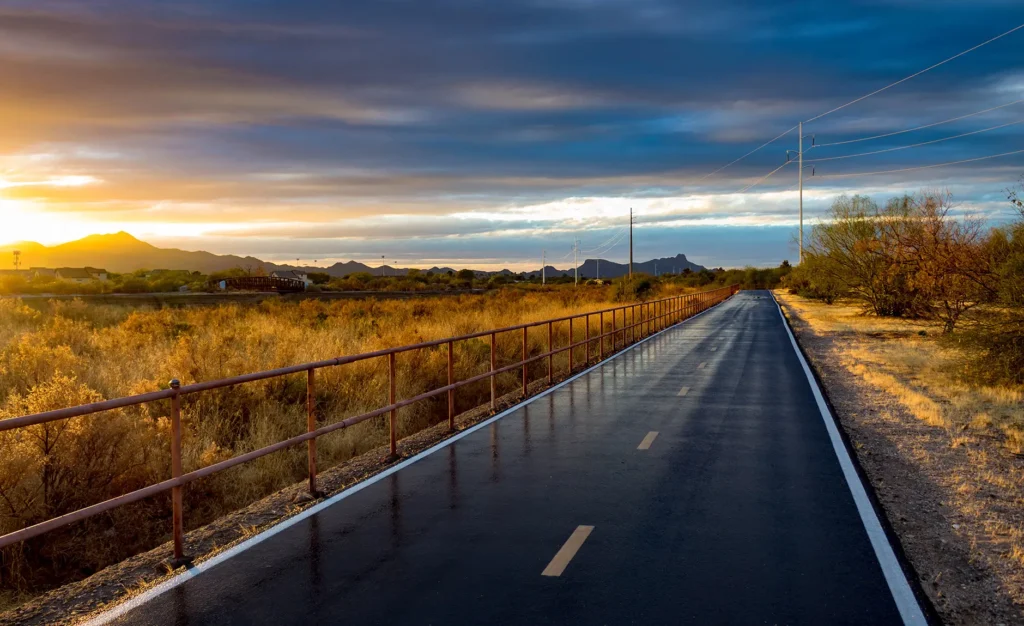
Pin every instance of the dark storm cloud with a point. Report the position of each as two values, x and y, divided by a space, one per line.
318 111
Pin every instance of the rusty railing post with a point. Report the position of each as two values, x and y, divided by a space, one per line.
633 319
571 348
177 514
451 381
615 341
310 427
600 334
588 339
551 371
393 417
494 379
525 353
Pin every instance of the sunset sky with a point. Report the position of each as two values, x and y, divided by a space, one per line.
481 133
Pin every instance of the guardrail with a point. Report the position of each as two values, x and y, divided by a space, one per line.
639 320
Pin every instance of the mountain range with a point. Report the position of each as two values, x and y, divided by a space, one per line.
121 253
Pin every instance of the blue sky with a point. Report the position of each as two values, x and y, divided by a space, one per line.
481 133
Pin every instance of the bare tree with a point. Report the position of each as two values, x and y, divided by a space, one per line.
944 258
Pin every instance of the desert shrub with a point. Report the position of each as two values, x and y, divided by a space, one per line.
809 281
995 342
995 350
319 278
639 288
912 258
51 469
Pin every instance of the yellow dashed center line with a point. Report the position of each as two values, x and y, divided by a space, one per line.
648 440
683 391
701 366
569 550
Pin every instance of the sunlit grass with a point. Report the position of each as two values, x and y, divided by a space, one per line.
905 359
68 353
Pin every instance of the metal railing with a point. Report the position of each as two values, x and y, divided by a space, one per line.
639 321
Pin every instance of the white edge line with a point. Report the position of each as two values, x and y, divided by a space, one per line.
902 594
199 568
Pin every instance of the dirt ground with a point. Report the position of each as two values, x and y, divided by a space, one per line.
936 452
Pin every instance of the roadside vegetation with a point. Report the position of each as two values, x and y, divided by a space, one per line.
56 353
914 316
916 258
171 281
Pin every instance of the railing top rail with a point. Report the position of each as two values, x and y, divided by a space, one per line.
116 403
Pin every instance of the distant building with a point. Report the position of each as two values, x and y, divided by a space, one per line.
74 274
293 274
42 271
97 273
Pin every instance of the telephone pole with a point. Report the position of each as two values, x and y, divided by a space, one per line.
599 269
630 243
576 261
800 165
543 267
800 181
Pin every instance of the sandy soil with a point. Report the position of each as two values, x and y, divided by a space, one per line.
950 488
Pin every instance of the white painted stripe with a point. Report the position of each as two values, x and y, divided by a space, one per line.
569 549
648 440
199 568
683 392
702 364
900 589
714 349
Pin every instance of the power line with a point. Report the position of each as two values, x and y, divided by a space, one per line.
763 178
903 80
923 143
617 233
611 243
706 176
910 130
922 167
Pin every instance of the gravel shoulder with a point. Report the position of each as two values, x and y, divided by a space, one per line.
952 492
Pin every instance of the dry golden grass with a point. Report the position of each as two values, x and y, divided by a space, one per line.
905 359
70 353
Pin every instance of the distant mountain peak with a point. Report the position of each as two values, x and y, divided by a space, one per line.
119 237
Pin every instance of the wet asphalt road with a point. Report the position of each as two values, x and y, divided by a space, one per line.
738 512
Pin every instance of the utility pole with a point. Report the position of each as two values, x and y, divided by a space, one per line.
631 243
800 131
599 269
800 182
382 266
576 261
17 260
544 267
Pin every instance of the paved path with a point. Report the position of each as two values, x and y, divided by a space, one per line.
690 480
